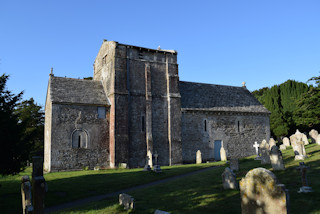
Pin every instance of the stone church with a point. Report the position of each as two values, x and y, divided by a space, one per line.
136 107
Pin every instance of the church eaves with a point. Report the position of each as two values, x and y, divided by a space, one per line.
77 91
220 98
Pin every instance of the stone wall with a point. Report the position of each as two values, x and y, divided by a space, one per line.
47 132
237 141
70 119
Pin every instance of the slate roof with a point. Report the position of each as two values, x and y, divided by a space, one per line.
77 91
209 97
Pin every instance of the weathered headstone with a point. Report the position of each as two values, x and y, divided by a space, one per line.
283 147
26 195
301 137
313 135
299 150
156 168
305 187
261 193
272 143
265 153
286 141
318 140
293 139
223 154
198 157
127 201
234 164
38 184
229 180
305 139
276 159
160 212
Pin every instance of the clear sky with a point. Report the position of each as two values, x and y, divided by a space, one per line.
261 42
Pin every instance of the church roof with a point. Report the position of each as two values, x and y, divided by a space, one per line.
77 91
221 98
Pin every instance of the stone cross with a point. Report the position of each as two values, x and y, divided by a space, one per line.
303 170
156 157
256 146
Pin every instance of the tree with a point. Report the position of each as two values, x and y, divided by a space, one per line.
33 117
307 115
14 145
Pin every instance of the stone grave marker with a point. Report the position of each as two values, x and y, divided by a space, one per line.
299 150
286 141
234 164
261 193
229 180
223 154
313 135
272 143
127 201
198 157
265 153
38 184
283 147
256 147
303 170
276 159
293 139
156 168
26 195
318 140
305 139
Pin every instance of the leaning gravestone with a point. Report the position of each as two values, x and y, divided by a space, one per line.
276 159
229 180
198 157
234 164
299 151
261 193
286 141
127 201
272 143
26 195
264 149
223 154
313 135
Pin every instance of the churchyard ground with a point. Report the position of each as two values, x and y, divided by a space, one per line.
68 186
203 193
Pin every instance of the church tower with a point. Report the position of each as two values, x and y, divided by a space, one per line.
142 86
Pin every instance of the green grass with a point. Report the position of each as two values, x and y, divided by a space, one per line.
203 192
69 186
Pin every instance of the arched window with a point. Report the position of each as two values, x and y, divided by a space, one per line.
79 139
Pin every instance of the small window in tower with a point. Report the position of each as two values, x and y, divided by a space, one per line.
101 112
104 60
142 124
205 125
238 126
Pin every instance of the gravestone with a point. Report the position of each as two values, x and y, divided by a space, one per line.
229 180
127 201
313 135
299 151
318 140
293 139
276 159
286 141
303 170
234 164
305 139
156 168
256 147
198 157
283 147
26 195
38 184
265 153
261 193
301 137
272 143
223 154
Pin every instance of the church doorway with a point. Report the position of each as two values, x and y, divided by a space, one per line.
217 147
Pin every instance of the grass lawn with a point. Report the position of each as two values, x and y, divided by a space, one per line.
69 186
203 192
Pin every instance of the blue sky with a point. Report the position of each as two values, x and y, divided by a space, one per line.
262 42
